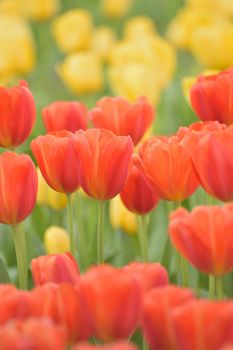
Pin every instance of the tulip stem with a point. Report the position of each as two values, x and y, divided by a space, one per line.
143 238
219 287
100 233
211 287
184 271
70 224
21 254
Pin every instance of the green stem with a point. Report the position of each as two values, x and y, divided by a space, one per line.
211 286
21 254
184 271
100 233
144 344
70 224
219 287
143 237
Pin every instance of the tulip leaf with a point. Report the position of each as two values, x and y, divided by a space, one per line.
4 276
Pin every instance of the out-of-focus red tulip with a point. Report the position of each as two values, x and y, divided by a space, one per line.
211 97
31 334
165 159
56 268
111 346
17 115
138 193
18 187
204 237
123 118
65 115
157 322
57 160
149 275
213 161
104 161
112 299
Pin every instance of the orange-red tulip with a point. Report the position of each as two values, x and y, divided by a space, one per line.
65 115
211 97
138 193
17 115
157 322
57 160
149 275
204 237
18 187
169 167
111 346
31 334
112 299
56 268
123 118
104 161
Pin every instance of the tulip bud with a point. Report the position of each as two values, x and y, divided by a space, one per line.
56 240
121 218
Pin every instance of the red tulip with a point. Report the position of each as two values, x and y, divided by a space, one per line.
157 323
149 275
18 187
211 97
104 161
31 334
204 237
57 160
112 299
65 115
17 115
165 159
112 346
138 193
56 268
122 118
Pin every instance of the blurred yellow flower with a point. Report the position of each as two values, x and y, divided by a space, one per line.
103 40
72 30
82 72
122 218
139 27
224 7
116 8
10 7
47 196
56 240
39 10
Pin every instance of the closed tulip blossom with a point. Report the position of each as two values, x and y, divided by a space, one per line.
56 240
121 218
17 115
65 115
56 268
122 117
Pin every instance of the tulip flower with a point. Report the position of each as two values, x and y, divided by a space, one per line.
56 268
211 96
139 27
56 240
149 275
39 334
103 40
62 115
72 30
164 159
111 346
40 10
122 118
17 115
120 217
115 9
110 295
158 306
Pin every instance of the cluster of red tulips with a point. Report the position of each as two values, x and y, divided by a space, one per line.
107 305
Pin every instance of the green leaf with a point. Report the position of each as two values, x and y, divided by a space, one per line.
4 276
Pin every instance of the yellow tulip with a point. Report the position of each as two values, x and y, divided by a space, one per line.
56 240
122 218
224 7
10 7
103 40
139 27
47 196
116 8
82 72
72 30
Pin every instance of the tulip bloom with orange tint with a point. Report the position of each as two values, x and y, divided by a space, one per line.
138 193
30 334
56 268
17 115
204 237
57 160
211 97
149 275
169 167
112 299
111 346
104 161
156 323
64 115
122 117
18 187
